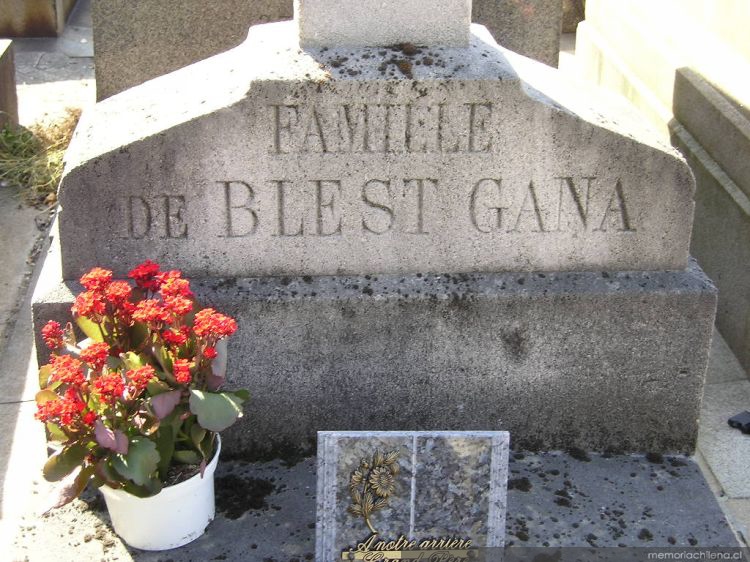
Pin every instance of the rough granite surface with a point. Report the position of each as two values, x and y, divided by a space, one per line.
137 41
449 485
598 360
370 160
528 27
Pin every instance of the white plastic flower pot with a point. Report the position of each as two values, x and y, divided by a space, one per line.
174 517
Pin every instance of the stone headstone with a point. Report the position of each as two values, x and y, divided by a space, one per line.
428 491
137 41
459 227
8 96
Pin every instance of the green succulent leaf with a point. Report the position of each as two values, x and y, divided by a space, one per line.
54 433
152 487
243 394
197 433
138 334
45 395
107 474
91 329
44 374
71 487
133 360
157 387
140 463
216 411
165 445
58 466
187 457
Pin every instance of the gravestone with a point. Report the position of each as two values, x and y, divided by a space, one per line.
457 232
8 96
416 492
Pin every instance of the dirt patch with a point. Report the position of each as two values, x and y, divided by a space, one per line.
236 495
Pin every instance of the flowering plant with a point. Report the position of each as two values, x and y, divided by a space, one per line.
141 395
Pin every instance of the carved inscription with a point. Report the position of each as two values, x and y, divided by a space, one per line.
561 206
329 208
382 128
159 216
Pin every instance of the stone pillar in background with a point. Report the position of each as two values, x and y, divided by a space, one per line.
574 12
34 18
528 27
8 97
422 237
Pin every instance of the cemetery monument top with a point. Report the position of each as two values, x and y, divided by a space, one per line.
275 160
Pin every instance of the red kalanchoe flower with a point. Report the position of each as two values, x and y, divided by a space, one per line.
176 336
178 305
65 409
110 387
89 304
210 353
53 335
181 370
145 275
151 311
118 292
209 323
66 369
97 279
96 355
138 379
172 284
89 418
48 411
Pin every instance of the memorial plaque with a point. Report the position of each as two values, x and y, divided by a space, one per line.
410 495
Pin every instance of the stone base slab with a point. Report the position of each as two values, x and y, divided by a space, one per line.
600 361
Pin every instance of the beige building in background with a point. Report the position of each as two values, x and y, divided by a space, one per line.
686 65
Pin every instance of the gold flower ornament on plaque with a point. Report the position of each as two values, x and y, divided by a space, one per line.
372 484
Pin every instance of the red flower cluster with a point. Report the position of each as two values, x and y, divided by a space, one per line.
176 336
110 387
96 355
138 379
210 352
89 304
181 369
53 335
209 323
66 369
118 292
171 284
65 409
145 276
97 279
151 312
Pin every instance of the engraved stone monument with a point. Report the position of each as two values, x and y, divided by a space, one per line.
414 230
413 492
